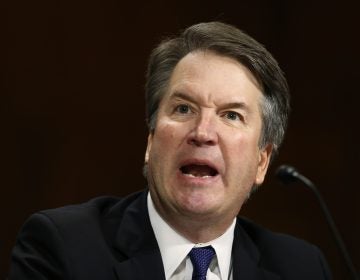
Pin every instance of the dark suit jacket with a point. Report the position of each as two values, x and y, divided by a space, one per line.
111 238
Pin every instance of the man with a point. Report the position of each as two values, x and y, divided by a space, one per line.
217 106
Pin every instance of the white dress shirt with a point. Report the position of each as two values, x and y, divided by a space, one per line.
174 250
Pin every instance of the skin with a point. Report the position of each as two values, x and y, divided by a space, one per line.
210 115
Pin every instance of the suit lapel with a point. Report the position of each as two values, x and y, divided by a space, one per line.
135 240
143 266
246 259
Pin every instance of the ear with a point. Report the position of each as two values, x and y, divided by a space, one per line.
148 147
263 164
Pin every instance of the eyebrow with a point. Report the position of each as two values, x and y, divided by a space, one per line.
230 105
180 95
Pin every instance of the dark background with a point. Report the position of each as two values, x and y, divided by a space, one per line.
72 107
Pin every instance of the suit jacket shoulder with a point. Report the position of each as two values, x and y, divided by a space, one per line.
278 254
105 238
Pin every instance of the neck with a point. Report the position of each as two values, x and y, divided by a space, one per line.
200 234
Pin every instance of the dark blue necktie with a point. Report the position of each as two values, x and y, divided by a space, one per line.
201 258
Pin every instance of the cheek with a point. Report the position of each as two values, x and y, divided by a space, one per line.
240 147
169 134
164 136
165 142
241 157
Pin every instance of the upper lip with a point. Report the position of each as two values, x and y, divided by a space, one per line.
197 161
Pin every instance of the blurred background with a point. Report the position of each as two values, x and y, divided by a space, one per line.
72 106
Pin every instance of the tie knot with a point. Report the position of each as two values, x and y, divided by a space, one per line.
201 258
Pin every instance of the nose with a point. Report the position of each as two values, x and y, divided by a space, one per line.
204 131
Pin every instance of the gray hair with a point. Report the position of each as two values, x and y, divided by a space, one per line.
225 40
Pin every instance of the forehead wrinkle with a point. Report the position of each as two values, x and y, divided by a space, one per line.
194 71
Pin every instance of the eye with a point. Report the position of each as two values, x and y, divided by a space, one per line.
182 109
231 115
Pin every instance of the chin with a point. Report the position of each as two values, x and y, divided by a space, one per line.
200 206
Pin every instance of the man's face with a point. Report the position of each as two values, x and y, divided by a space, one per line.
203 156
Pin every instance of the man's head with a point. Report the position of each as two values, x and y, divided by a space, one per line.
217 109
225 40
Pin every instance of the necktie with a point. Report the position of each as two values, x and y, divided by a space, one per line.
201 258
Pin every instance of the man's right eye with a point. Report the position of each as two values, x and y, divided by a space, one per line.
183 109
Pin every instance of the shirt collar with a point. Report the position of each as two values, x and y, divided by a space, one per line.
174 248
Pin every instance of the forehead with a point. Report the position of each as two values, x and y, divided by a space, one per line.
215 77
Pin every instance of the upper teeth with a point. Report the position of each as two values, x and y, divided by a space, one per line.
191 175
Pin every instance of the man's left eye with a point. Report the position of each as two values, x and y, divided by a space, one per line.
232 116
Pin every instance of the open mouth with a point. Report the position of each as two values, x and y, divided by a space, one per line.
199 170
